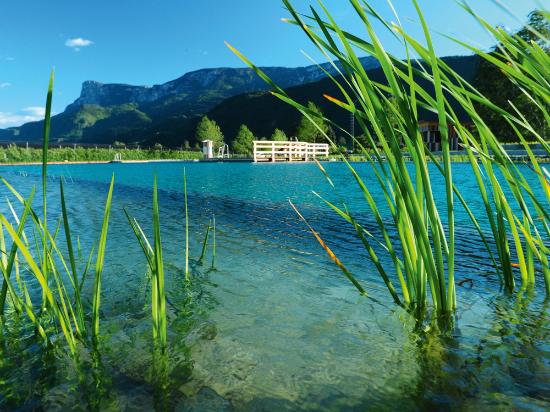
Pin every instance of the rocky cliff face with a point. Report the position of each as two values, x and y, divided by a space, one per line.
224 81
114 94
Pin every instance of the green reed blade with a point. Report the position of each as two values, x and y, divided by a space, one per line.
346 215
45 144
444 131
30 313
102 244
72 261
67 229
330 253
186 227
65 310
8 263
205 242
47 292
213 241
78 248
141 238
6 279
160 304
86 270
58 279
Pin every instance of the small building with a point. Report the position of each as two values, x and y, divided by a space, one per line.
431 135
208 149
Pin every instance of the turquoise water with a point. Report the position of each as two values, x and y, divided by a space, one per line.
275 326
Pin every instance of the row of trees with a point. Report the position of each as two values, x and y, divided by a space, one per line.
208 129
497 87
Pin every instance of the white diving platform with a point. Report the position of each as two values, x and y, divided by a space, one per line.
288 151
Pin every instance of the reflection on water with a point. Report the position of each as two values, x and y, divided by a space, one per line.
275 326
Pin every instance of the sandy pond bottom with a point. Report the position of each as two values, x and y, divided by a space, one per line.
275 326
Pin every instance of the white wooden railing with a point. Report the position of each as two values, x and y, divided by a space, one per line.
280 151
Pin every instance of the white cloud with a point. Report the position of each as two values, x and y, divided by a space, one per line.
28 114
35 111
77 43
4 85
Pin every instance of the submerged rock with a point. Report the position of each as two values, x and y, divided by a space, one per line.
205 400
269 404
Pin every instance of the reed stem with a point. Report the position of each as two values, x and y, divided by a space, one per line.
213 241
187 275
205 242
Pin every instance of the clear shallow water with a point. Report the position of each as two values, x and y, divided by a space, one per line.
275 327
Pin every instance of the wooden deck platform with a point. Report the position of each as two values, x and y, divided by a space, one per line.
280 151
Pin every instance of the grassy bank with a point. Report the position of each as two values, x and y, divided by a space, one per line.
13 154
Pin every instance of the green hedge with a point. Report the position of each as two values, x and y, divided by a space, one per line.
14 154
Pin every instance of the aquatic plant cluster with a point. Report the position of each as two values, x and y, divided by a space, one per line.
62 308
422 275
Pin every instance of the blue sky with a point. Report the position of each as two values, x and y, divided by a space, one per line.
148 42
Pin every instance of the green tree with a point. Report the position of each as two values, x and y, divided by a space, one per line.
494 84
537 29
308 131
279 136
390 114
209 130
243 141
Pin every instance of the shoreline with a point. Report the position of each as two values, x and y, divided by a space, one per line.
90 162
87 162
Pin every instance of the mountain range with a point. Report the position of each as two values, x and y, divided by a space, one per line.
104 113
262 112
168 113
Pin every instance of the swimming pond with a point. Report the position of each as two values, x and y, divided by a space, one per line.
275 326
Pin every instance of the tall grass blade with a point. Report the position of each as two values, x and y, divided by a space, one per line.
186 227
47 292
160 303
205 242
213 241
72 261
142 239
45 145
8 261
330 253
102 244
